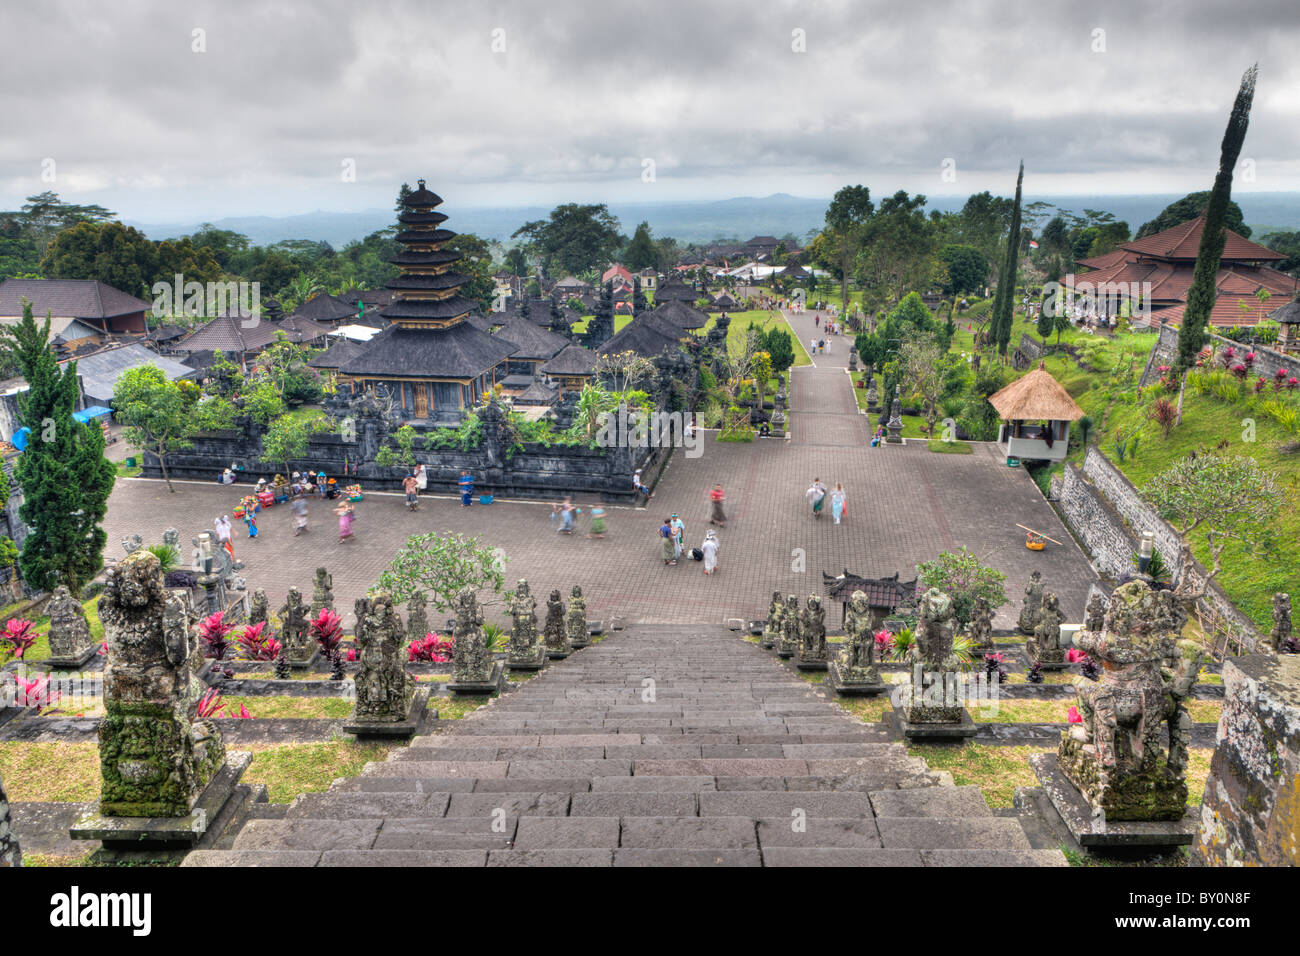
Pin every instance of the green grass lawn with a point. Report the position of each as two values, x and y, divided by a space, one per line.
761 319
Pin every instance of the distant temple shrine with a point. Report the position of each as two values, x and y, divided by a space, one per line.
431 361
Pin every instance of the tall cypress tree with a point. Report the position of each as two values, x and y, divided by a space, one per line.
1202 293
1005 300
65 478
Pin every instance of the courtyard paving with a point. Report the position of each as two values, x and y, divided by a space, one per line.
905 505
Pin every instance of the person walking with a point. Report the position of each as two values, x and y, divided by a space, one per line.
224 528
345 513
716 497
411 488
597 522
816 493
679 535
466 485
667 542
322 484
250 516
421 479
837 502
566 516
710 549
299 508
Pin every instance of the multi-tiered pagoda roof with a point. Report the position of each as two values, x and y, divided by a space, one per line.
429 336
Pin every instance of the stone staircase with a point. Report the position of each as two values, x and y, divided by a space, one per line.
655 747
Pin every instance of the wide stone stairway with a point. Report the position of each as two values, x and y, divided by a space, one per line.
654 747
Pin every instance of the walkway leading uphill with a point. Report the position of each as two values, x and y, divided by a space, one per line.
654 747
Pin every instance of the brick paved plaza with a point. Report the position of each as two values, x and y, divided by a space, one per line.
905 505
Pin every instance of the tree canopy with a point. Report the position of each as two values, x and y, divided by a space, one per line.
573 239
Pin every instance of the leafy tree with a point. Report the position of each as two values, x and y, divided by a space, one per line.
1004 303
287 437
573 239
1045 324
921 368
442 565
982 222
779 344
214 413
155 412
1227 497
1202 292
846 221
262 402
967 269
641 252
1188 208
965 580
1285 242
475 262
45 215
897 244
66 479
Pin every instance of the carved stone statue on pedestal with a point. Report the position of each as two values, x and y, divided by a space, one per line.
857 671
1033 600
526 649
257 607
577 619
70 642
384 689
1281 621
812 654
931 655
473 668
155 759
417 617
1045 646
322 592
1128 757
790 621
772 626
295 635
980 631
555 631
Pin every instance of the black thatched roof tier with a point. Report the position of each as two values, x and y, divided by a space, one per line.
530 341
673 288
641 337
421 196
451 308
888 593
681 314
411 236
435 257
446 280
572 360
422 218
338 354
461 351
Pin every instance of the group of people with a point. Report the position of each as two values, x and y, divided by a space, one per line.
817 495
672 534
414 485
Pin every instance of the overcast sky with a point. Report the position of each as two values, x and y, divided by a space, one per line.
584 93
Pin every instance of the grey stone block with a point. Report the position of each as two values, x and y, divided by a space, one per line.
552 833
931 833
404 858
677 857
633 804
687 832
931 802
580 857
305 834
514 804
828 856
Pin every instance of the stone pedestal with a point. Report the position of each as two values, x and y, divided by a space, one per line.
386 702
894 427
855 681
1092 831
489 685
936 732
408 725
526 651
555 631
1250 813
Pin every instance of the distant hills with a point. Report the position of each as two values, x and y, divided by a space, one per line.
702 221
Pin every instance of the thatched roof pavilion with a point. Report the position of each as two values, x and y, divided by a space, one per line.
1037 412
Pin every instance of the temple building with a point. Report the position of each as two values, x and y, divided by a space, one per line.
1163 265
431 361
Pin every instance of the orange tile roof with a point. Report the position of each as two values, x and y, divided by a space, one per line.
1183 241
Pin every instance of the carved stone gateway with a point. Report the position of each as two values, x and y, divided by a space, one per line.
70 642
555 630
527 652
388 702
857 671
812 654
577 619
474 670
161 768
1128 757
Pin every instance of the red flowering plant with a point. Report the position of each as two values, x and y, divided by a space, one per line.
215 634
1073 715
430 650
884 643
1228 357
211 705
1259 384
1291 383
254 645
326 628
1239 370
1249 359
36 693
18 634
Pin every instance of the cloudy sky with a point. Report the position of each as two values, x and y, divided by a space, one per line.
175 110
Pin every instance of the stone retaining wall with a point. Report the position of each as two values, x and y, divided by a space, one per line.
1267 360
1108 515
1250 813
